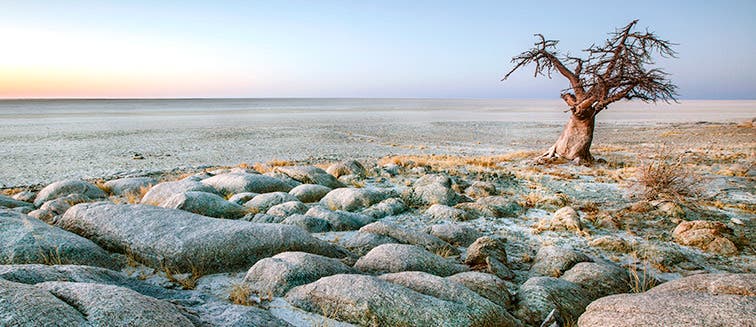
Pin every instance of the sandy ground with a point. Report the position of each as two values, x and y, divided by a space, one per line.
44 146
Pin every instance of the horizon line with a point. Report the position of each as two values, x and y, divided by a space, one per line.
323 98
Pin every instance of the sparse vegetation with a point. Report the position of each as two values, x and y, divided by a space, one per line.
666 176
240 294
187 282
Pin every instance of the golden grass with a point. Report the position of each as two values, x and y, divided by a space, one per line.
101 185
640 281
240 294
12 191
136 197
187 283
454 161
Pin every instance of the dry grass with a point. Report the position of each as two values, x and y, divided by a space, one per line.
451 161
640 281
187 283
12 191
136 197
268 166
667 177
101 185
240 294
51 257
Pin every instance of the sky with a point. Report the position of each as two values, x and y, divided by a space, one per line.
427 49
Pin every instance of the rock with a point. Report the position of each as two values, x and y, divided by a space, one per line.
484 247
444 212
348 167
287 209
388 207
206 204
564 219
108 305
373 301
433 189
310 224
409 236
68 187
340 220
486 285
498 268
448 290
285 178
29 240
53 208
389 258
163 191
611 243
130 186
284 271
39 273
264 218
178 239
390 169
554 261
455 234
310 175
710 236
670 209
25 196
480 189
701 300
309 193
599 279
660 253
352 199
263 202
27 305
538 296
242 198
492 206
9 202
235 183
222 314
362 243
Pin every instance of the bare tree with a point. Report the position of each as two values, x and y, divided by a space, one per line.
616 70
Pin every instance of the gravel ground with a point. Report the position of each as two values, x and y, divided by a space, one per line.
41 147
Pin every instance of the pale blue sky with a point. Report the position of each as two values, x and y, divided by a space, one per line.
347 48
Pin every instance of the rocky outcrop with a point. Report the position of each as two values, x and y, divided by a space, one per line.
309 193
83 304
352 199
369 300
348 167
184 241
409 236
233 183
68 187
700 300
310 175
538 296
444 212
263 202
599 279
486 285
554 261
9 202
284 271
432 189
129 186
340 220
564 219
390 258
710 236
30 240
163 191
206 204
456 234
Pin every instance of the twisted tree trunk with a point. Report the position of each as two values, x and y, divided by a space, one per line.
575 141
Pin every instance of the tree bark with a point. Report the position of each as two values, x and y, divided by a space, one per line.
575 141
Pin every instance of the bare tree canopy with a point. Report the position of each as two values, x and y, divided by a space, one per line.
618 69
